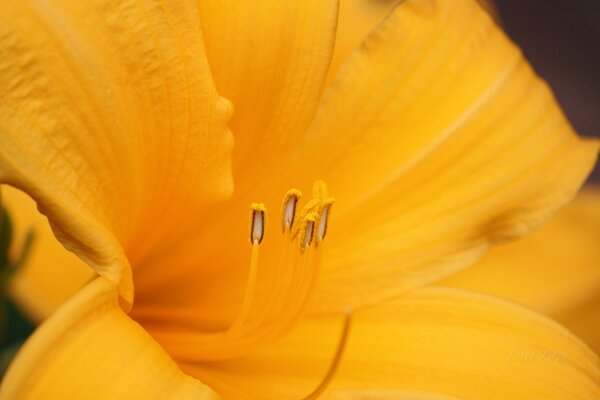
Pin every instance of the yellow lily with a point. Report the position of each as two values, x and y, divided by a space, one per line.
436 139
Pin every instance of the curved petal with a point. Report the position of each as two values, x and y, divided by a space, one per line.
270 59
356 20
359 17
437 140
387 395
111 122
437 340
91 349
555 271
584 321
51 274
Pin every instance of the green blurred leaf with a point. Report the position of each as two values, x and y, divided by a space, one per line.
7 354
5 238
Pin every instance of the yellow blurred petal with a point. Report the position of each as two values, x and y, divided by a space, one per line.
376 394
555 271
90 349
111 122
437 140
437 340
270 59
51 274
584 321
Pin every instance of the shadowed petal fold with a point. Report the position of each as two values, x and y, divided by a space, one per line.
91 349
111 122
555 271
433 340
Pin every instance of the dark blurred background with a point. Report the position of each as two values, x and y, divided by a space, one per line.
561 39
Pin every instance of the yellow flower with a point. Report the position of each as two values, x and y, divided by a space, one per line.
436 139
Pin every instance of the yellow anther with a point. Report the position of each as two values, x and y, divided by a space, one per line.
312 207
308 231
288 209
323 219
258 222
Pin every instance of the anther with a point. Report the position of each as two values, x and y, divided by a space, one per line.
310 208
323 219
258 222
308 231
288 211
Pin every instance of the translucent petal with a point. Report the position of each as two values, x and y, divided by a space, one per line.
111 122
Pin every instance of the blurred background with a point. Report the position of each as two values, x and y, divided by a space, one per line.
561 39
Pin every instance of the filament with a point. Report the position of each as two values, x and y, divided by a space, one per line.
335 363
249 292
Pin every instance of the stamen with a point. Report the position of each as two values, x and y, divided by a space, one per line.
308 231
249 292
270 310
257 222
335 363
323 219
288 211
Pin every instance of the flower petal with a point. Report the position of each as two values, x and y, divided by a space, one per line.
111 122
51 274
387 395
270 59
356 20
436 340
437 140
359 17
91 349
555 271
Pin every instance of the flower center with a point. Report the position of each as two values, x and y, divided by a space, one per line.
270 311
276 289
